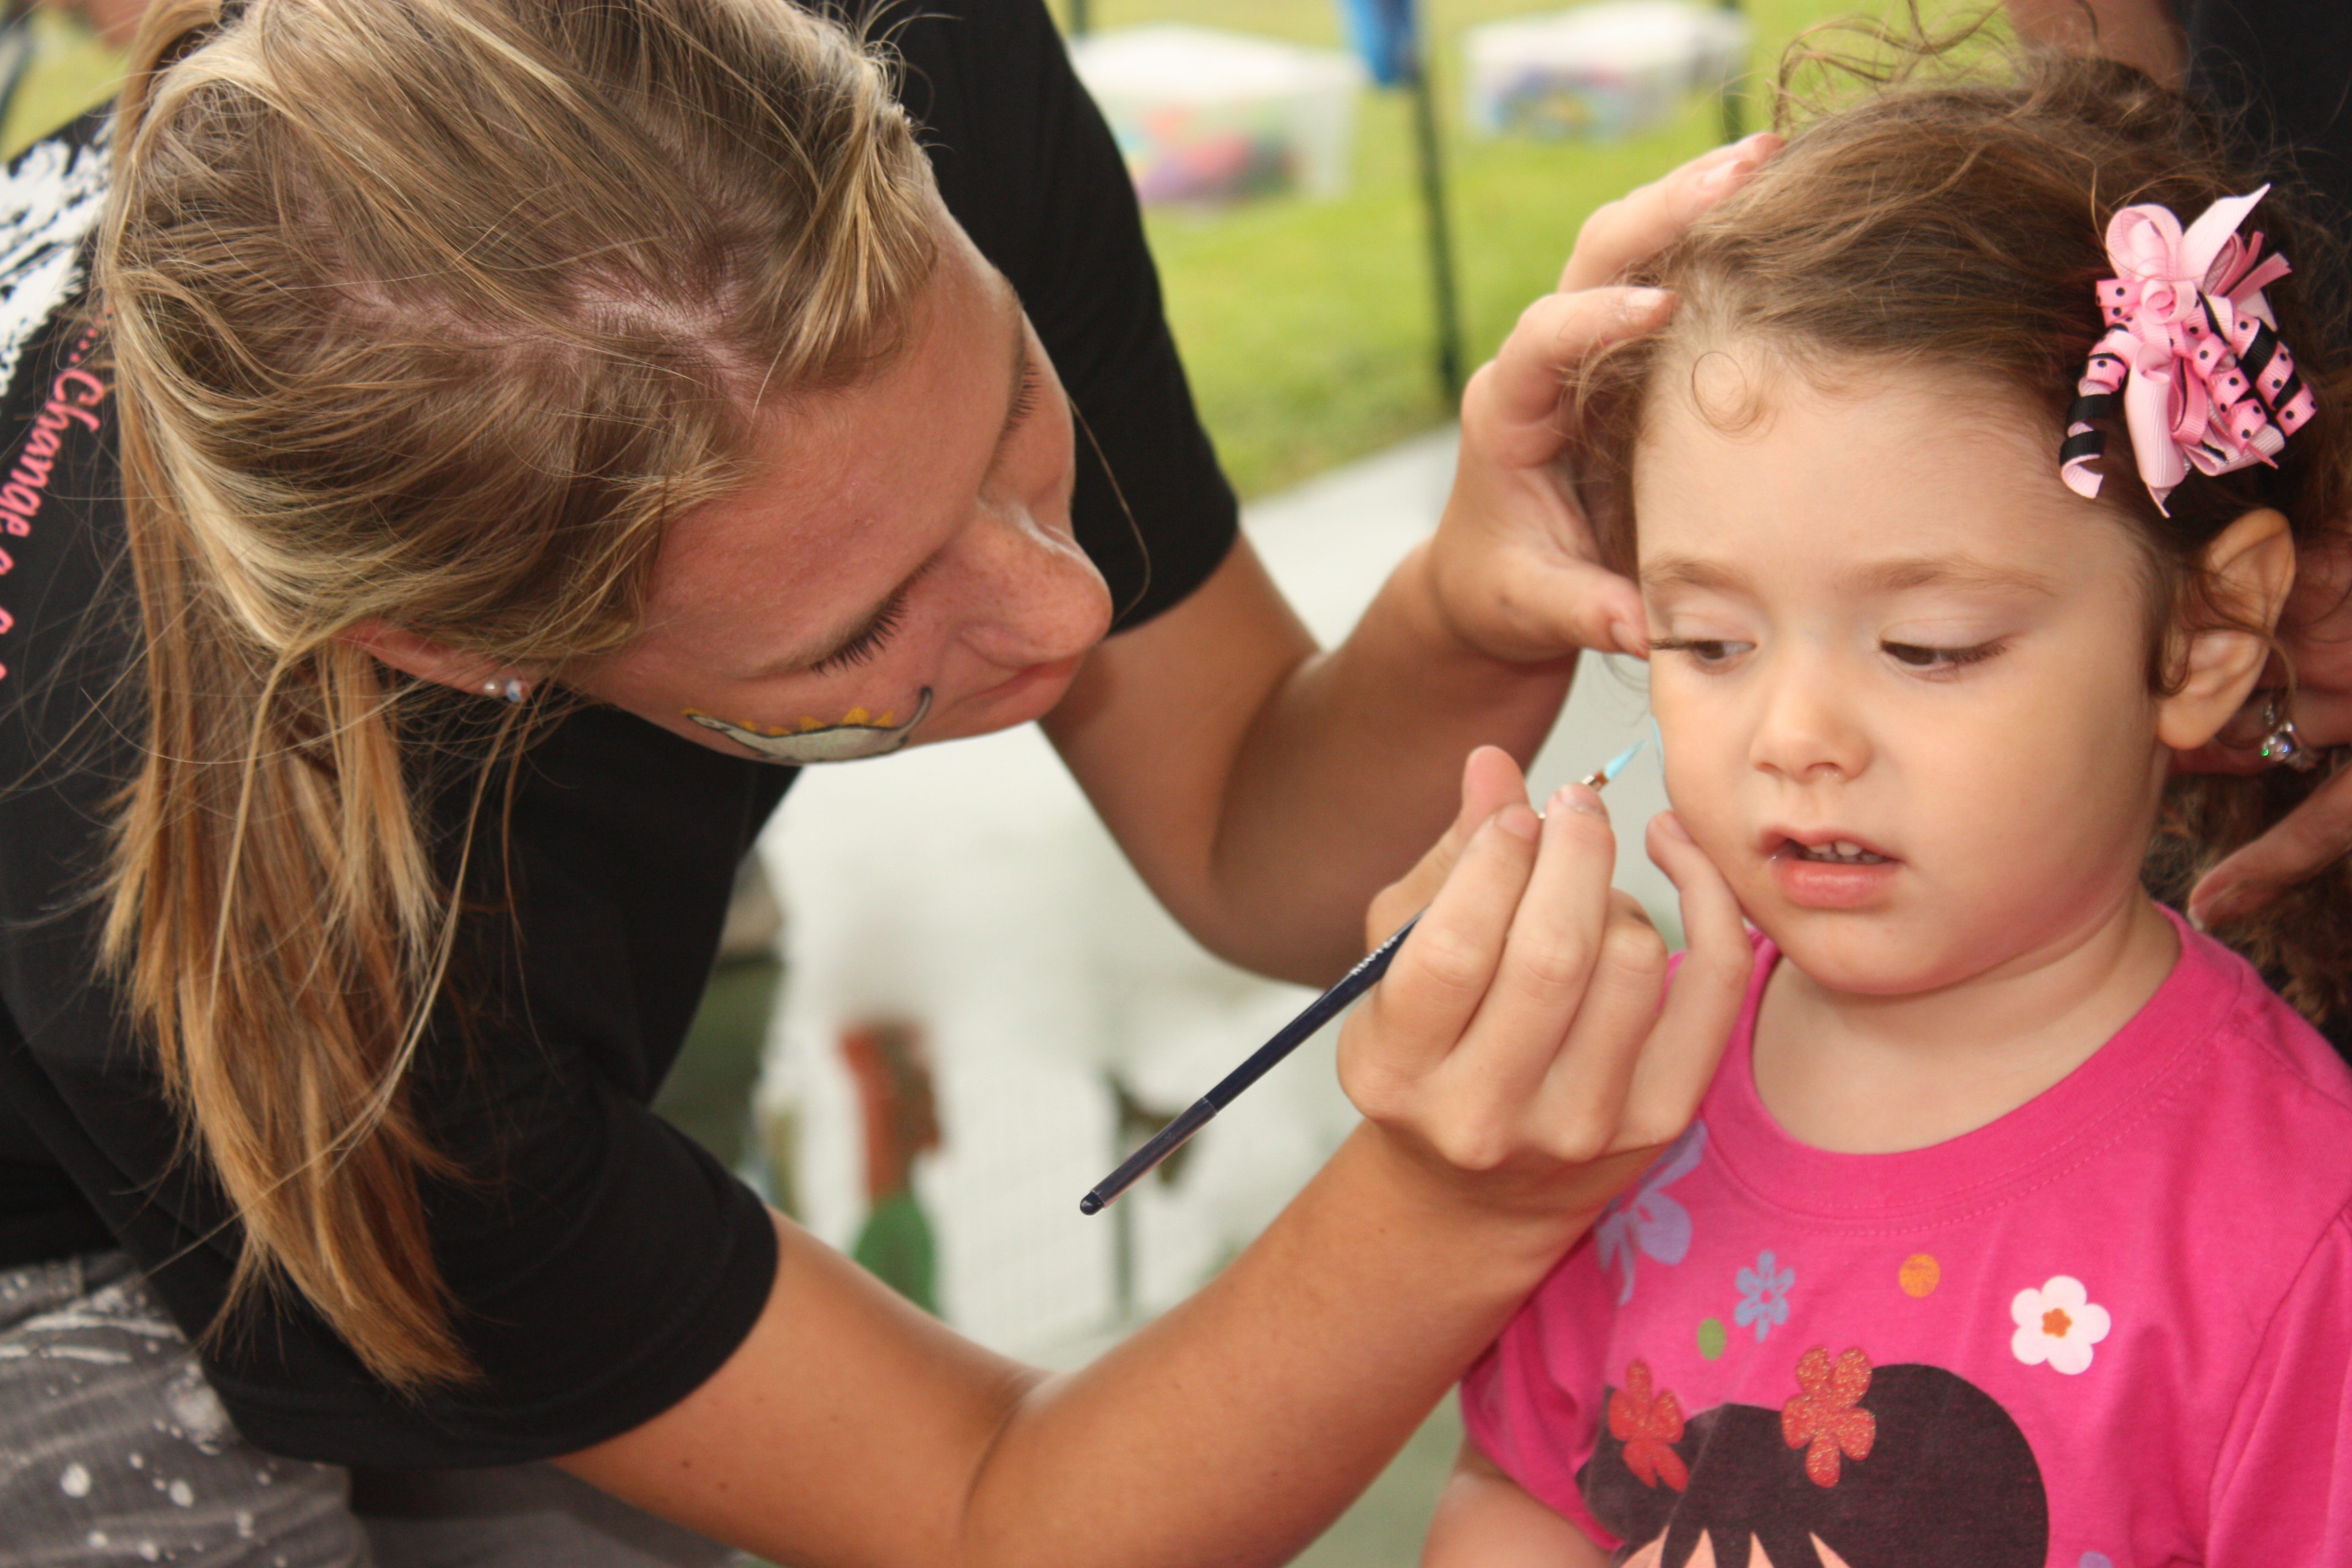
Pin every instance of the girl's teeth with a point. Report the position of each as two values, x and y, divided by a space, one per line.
1840 852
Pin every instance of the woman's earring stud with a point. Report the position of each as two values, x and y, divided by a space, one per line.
511 688
2280 743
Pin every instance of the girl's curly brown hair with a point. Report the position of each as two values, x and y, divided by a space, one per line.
1947 217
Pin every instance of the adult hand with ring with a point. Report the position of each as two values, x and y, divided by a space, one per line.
2279 728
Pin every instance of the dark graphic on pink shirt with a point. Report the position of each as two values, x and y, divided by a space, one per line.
1863 1467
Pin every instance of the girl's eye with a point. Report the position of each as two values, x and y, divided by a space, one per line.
1707 653
1918 656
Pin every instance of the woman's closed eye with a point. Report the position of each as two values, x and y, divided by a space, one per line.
1025 401
861 649
1932 659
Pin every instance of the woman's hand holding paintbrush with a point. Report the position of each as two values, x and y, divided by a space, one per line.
1523 1047
1517 1040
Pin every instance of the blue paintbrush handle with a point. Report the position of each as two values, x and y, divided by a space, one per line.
1320 1012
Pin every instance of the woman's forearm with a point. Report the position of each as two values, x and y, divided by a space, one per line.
1266 790
850 1429
1516 1071
1233 1429
1353 762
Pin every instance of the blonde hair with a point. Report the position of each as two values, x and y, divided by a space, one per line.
432 313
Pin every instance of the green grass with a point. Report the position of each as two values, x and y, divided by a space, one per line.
1308 327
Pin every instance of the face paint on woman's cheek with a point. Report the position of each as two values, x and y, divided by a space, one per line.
858 735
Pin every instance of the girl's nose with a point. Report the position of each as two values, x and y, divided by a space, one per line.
1807 728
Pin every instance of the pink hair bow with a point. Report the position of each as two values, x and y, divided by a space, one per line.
2192 347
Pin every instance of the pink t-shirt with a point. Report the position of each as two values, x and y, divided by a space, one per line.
2111 1329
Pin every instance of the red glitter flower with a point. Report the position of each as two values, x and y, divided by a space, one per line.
1825 1420
1649 1427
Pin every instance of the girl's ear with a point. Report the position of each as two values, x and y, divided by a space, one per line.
2249 568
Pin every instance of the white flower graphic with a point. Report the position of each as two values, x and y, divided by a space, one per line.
2058 1325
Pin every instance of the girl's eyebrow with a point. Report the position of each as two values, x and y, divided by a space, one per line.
1945 572
1874 577
1689 571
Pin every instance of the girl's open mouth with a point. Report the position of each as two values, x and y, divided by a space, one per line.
1834 874
1837 852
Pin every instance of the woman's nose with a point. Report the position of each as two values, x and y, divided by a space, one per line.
1032 596
1807 728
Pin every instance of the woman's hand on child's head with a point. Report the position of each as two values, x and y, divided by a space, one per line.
1516 1053
1514 565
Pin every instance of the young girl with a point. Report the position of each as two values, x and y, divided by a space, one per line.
1962 489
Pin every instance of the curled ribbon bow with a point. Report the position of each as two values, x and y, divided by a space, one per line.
2192 347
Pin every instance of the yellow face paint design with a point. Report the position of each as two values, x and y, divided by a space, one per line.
857 734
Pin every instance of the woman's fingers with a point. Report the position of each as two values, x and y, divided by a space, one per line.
1643 222
2317 635
1546 966
1580 1107
1424 1004
1704 1000
2307 840
1510 410
1518 1050
1491 780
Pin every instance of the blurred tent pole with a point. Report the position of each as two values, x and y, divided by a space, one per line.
1441 240
1081 21
1727 95
1387 34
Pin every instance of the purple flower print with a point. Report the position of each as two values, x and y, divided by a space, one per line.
1764 1292
1645 1218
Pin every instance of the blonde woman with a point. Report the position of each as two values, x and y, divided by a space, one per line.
459 449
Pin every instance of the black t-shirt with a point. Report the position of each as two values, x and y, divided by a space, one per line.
603 1266
2282 69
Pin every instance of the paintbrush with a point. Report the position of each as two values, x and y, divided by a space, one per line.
1320 1012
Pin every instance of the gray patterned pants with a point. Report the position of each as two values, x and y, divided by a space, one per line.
113 1449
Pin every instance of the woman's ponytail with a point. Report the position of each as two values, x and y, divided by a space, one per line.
428 316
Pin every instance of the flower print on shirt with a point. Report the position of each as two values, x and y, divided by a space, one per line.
1826 1420
1646 1218
1649 1425
2058 1325
1764 1295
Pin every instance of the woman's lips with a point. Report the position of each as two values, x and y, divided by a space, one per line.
1039 680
